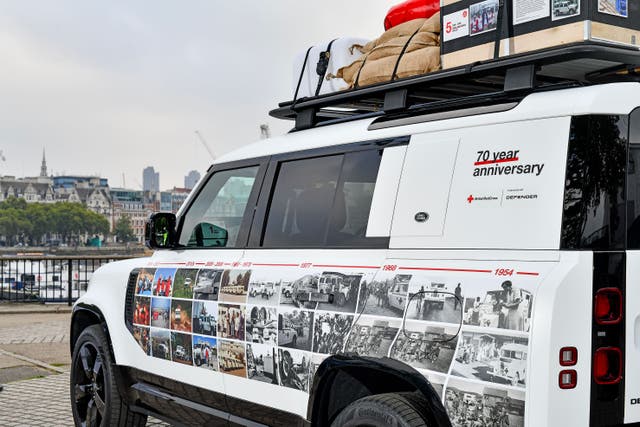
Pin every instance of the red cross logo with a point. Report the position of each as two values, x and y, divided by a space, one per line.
470 198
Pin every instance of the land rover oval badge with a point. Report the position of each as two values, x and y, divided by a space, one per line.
421 217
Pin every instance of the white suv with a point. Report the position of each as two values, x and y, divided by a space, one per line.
519 190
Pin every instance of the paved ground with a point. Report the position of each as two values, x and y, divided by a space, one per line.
34 365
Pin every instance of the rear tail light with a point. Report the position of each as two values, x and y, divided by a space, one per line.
607 365
568 356
608 306
568 379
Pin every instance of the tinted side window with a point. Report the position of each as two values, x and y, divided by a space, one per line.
323 201
215 217
301 202
594 208
633 182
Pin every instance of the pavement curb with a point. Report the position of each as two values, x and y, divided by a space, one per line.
33 361
37 310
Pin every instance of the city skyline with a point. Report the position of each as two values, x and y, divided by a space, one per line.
110 88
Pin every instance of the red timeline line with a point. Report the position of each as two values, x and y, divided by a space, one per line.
527 273
346 266
490 162
457 270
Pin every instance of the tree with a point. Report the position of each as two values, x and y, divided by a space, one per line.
122 230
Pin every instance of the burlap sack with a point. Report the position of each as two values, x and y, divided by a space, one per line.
394 47
419 61
405 29
402 30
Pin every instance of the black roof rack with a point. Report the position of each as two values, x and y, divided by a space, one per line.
502 80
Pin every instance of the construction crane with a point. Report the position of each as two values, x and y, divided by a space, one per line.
206 146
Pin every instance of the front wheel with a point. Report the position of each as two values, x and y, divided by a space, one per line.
95 400
382 410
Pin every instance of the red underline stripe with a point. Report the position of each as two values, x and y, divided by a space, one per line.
345 266
527 273
275 265
458 270
490 162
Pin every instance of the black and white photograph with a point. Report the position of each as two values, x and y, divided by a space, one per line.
498 304
181 348
343 287
483 16
477 404
330 332
295 328
234 285
293 369
232 359
614 7
426 346
205 317
435 299
231 320
561 9
262 325
205 352
316 361
145 281
160 308
500 359
437 381
262 363
386 295
160 343
372 336
297 292
264 287
207 285
141 335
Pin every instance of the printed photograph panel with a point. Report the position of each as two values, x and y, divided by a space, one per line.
295 328
163 282
372 336
145 281
426 346
330 332
234 285
262 325
294 369
385 296
262 363
161 343
204 318
470 403
499 359
181 348
205 352
232 358
181 315
160 308
207 285
231 321
185 280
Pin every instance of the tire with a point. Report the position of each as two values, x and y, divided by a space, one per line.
95 399
381 410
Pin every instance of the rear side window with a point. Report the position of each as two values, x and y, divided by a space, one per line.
594 203
215 217
323 201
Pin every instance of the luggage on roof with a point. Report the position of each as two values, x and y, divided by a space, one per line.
312 66
410 10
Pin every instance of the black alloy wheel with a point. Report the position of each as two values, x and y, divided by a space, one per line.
89 385
95 400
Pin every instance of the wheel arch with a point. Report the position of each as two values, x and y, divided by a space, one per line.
341 380
83 316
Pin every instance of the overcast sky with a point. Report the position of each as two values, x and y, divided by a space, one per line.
111 87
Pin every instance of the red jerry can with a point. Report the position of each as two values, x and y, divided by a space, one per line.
410 9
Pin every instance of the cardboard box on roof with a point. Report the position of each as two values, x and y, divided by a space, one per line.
470 27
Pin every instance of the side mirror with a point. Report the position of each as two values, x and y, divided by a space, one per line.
160 231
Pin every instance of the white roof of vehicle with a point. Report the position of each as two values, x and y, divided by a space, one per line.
612 98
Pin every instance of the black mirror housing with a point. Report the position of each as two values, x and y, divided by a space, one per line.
160 231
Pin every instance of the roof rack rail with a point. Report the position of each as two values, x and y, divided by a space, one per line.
501 80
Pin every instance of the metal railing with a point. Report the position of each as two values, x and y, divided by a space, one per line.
48 279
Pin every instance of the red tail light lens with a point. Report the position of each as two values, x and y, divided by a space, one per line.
607 365
608 306
568 356
567 379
